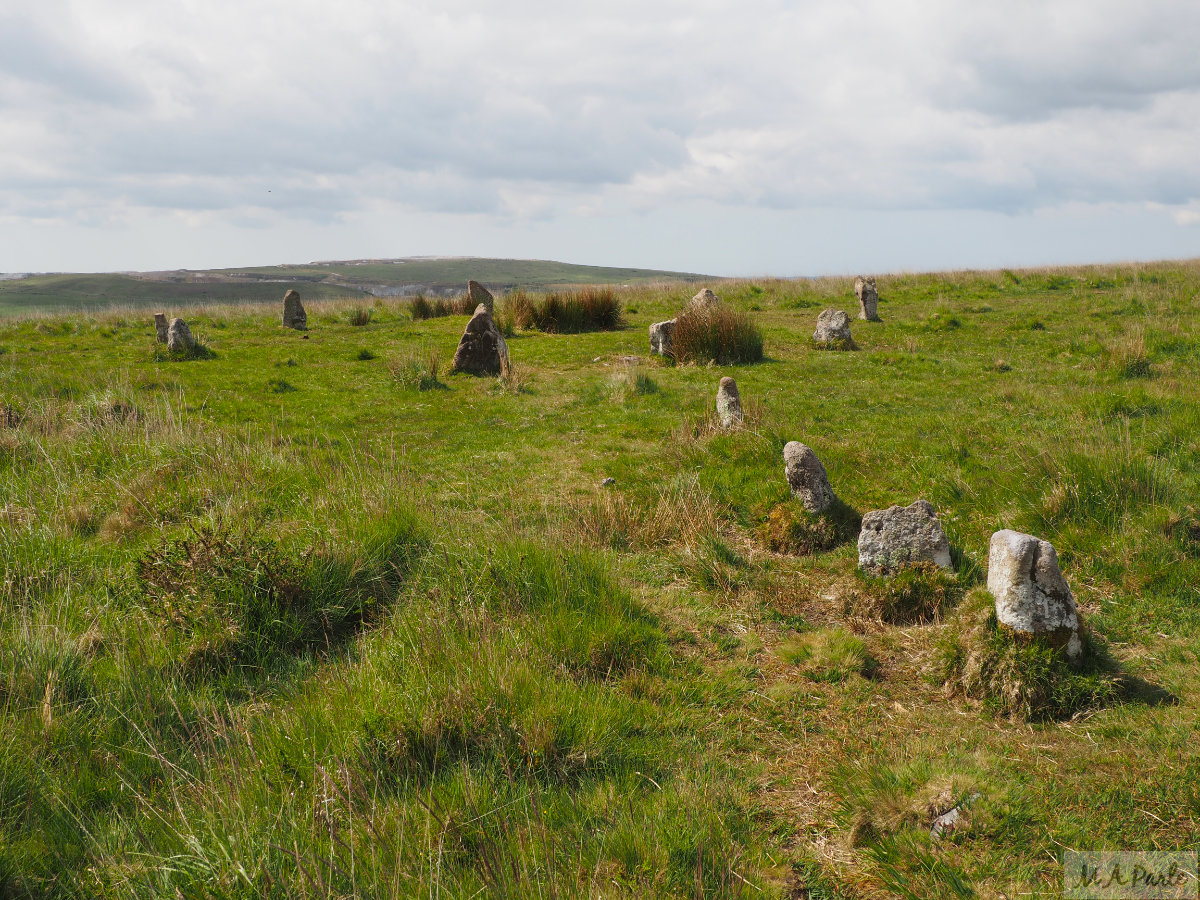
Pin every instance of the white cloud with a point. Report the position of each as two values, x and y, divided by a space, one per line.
267 111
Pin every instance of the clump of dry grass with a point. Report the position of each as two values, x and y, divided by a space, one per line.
621 522
1128 355
920 592
629 380
417 370
567 312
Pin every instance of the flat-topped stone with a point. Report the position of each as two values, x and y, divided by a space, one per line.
868 298
902 535
660 337
294 315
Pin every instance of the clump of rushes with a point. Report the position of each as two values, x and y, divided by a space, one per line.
420 307
716 334
1016 675
359 316
589 309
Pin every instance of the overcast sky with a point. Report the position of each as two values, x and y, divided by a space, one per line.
749 137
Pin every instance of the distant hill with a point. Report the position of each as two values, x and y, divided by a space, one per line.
317 280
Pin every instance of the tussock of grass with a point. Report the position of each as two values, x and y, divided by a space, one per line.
716 334
418 371
1128 356
832 655
1015 676
790 528
916 593
359 316
621 522
629 380
198 350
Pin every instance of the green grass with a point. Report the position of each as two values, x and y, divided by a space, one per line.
309 618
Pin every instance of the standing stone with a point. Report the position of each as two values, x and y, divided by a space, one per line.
899 535
293 312
179 337
1032 597
868 298
705 299
479 294
660 338
160 327
729 404
806 477
482 350
833 327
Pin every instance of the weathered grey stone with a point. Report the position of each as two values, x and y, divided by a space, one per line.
705 299
179 337
806 477
479 294
868 298
833 326
293 312
729 403
1032 597
660 338
482 350
160 327
899 535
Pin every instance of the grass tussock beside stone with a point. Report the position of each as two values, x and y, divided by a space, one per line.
589 309
716 334
629 380
916 593
790 528
1017 676
198 350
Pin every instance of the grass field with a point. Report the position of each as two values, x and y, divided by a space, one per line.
285 622
315 281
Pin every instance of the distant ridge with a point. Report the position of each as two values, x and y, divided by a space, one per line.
435 275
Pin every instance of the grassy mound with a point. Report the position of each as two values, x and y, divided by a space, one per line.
1012 675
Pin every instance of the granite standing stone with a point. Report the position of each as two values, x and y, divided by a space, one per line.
293 312
900 535
179 337
729 403
833 326
705 299
479 294
1032 597
806 477
868 298
161 327
660 338
482 350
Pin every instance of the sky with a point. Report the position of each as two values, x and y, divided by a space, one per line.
730 138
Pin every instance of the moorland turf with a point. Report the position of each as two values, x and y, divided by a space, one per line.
292 621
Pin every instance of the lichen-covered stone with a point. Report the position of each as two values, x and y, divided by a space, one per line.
179 337
902 535
833 327
868 298
806 477
161 327
704 299
729 403
1032 597
660 338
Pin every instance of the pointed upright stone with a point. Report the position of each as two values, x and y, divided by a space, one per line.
293 312
479 294
729 404
482 350
806 477
705 299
